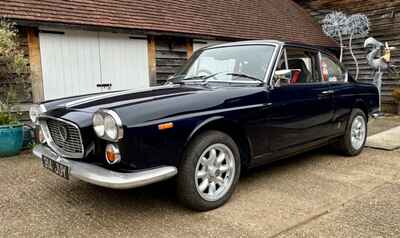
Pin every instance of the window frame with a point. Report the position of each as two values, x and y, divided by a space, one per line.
269 69
315 61
336 61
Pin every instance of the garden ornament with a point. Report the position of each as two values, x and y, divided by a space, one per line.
334 26
380 60
338 25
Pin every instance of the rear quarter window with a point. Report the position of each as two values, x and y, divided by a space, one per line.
331 71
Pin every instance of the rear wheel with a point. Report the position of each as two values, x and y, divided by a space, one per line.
209 171
352 143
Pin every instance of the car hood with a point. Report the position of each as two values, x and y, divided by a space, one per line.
155 103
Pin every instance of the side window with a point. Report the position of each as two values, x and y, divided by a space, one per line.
331 71
299 66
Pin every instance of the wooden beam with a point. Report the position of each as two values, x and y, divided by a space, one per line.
151 47
189 47
35 65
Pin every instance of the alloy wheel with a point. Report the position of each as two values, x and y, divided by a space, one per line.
215 172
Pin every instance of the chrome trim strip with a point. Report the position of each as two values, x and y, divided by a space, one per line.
97 175
53 145
113 94
198 114
43 108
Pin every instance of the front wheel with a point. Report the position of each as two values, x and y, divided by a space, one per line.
209 171
352 143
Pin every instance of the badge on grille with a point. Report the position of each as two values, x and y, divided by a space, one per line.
63 132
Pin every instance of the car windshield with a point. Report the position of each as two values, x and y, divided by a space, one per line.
247 63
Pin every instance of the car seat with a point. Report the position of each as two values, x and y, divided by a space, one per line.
305 74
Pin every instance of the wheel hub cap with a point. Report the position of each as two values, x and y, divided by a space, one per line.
215 171
358 132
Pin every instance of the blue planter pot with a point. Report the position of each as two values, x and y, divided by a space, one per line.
11 139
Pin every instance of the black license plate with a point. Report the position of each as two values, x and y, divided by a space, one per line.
55 167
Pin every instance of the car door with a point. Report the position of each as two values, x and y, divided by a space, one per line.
336 76
301 111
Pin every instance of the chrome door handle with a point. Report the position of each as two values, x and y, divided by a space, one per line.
327 92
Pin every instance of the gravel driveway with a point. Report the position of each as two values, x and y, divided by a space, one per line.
317 194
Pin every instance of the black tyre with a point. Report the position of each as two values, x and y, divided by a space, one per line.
209 171
353 142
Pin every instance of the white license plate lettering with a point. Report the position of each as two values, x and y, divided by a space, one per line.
56 167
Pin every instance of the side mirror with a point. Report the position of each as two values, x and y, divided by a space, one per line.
286 76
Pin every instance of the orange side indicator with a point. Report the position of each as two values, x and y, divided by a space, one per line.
110 156
165 126
113 155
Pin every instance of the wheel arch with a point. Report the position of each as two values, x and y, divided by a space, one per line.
360 104
231 128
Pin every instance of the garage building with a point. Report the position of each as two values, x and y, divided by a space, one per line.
77 47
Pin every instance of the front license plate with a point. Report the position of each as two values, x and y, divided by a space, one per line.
55 167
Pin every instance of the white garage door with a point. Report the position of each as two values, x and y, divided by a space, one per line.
198 44
80 62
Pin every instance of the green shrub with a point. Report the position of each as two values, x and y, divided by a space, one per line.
13 70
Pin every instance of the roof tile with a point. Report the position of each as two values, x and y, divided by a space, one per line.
241 19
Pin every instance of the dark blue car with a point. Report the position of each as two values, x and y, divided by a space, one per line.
231 107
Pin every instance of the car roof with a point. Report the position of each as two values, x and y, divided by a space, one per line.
249 42
273 42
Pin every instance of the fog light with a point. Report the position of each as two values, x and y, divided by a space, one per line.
113 155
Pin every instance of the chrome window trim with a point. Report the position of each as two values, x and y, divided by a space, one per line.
321 74
286 59
53 145
271 62
281 50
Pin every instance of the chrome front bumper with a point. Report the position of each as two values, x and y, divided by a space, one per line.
97 175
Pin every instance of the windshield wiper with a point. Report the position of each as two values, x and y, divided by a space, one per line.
181 80
203 79
245 76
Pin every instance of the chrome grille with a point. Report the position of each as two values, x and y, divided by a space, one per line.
65 137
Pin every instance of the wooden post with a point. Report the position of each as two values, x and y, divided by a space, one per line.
189 47
35 65
152 54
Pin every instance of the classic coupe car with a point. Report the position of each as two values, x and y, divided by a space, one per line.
231 107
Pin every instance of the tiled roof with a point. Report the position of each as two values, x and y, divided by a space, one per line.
242 19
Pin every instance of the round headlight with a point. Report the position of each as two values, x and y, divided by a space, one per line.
34 113
98 124
110 127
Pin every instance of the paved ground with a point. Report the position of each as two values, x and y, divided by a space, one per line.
318 194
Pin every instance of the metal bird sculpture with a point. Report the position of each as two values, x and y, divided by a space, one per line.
374 58
379 59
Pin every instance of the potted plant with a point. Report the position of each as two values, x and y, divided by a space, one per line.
11 134
13 71
396 96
